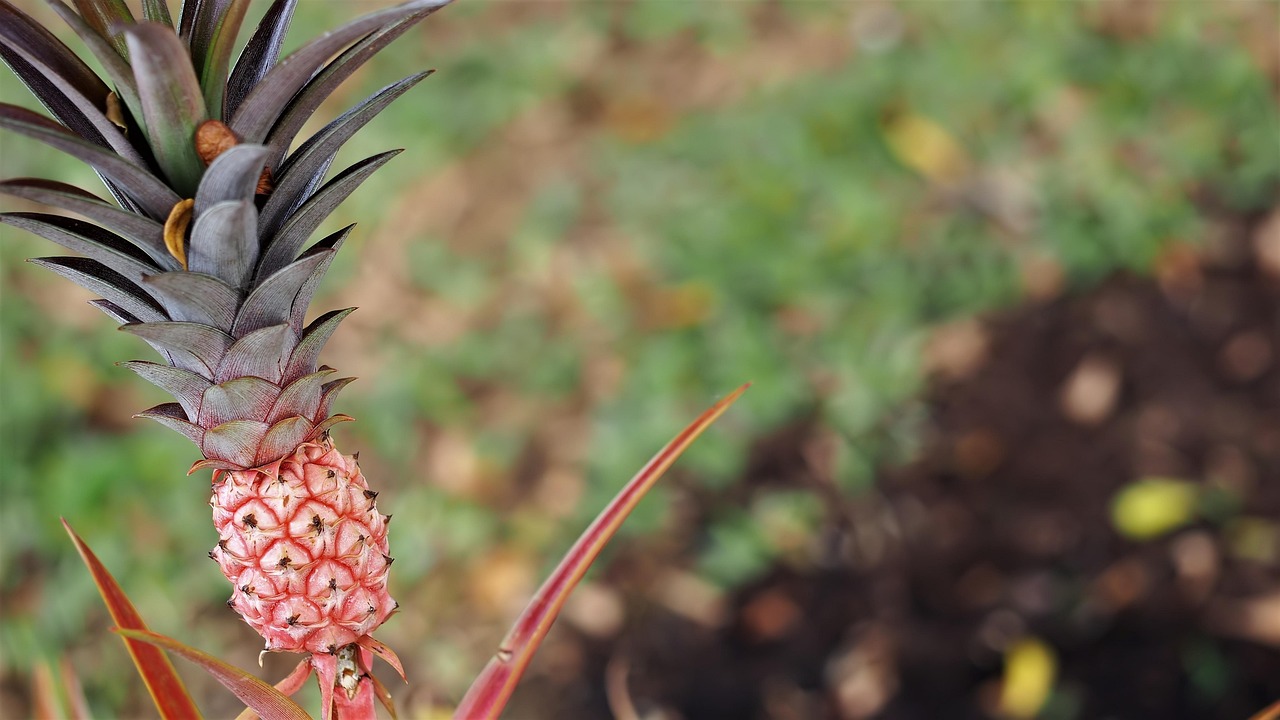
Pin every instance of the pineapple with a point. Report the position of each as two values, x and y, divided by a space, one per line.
204 256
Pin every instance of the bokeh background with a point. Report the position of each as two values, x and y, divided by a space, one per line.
1005 276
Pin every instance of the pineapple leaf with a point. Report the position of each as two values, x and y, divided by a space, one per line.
101 280
195 297
283 438
303 361
301 397
106 17
216 28
244 397
260 109
286 244
149 192
66 104
328 250
258 353
491 690
329 392
304 170
157 11
172 104
268 702
308 100
185 386
260 54
116 67
157 672
113 311
271 301
233 175
145 234
224 242
172 416
87 239
195 347
19 31
234 441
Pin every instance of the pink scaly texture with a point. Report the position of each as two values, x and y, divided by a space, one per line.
305 548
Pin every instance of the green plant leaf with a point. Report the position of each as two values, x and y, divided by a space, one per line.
172 104
166 688
268 702
489 693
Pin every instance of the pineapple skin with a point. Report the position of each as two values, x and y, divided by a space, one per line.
305 549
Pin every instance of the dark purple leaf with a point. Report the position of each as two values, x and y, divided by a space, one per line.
224 242
195 297
271 301
260 353
150 193
143 232
308 100
186 387
101 280
233 175
287 243
195 347
263 105
260 54
304 170
87 239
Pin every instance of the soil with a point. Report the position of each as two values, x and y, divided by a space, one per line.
1002 530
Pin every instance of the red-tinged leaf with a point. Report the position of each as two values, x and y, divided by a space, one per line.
166 688
268 702
326 667
290 685
367 642
491 690
384 696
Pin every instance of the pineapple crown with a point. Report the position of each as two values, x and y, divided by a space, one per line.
204 253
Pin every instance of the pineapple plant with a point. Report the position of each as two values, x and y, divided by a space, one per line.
205 255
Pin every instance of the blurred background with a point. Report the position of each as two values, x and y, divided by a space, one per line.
1006 278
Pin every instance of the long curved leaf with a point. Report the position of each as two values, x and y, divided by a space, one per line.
146 234
104 16
264 103
320 87
172 103
268 702
150 193
491 690
304 170
286 244
101 280
260 54
87 239
166 688
217 26
115 65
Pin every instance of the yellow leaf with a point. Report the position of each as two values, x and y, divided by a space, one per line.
925 146
1030 667
1152 507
